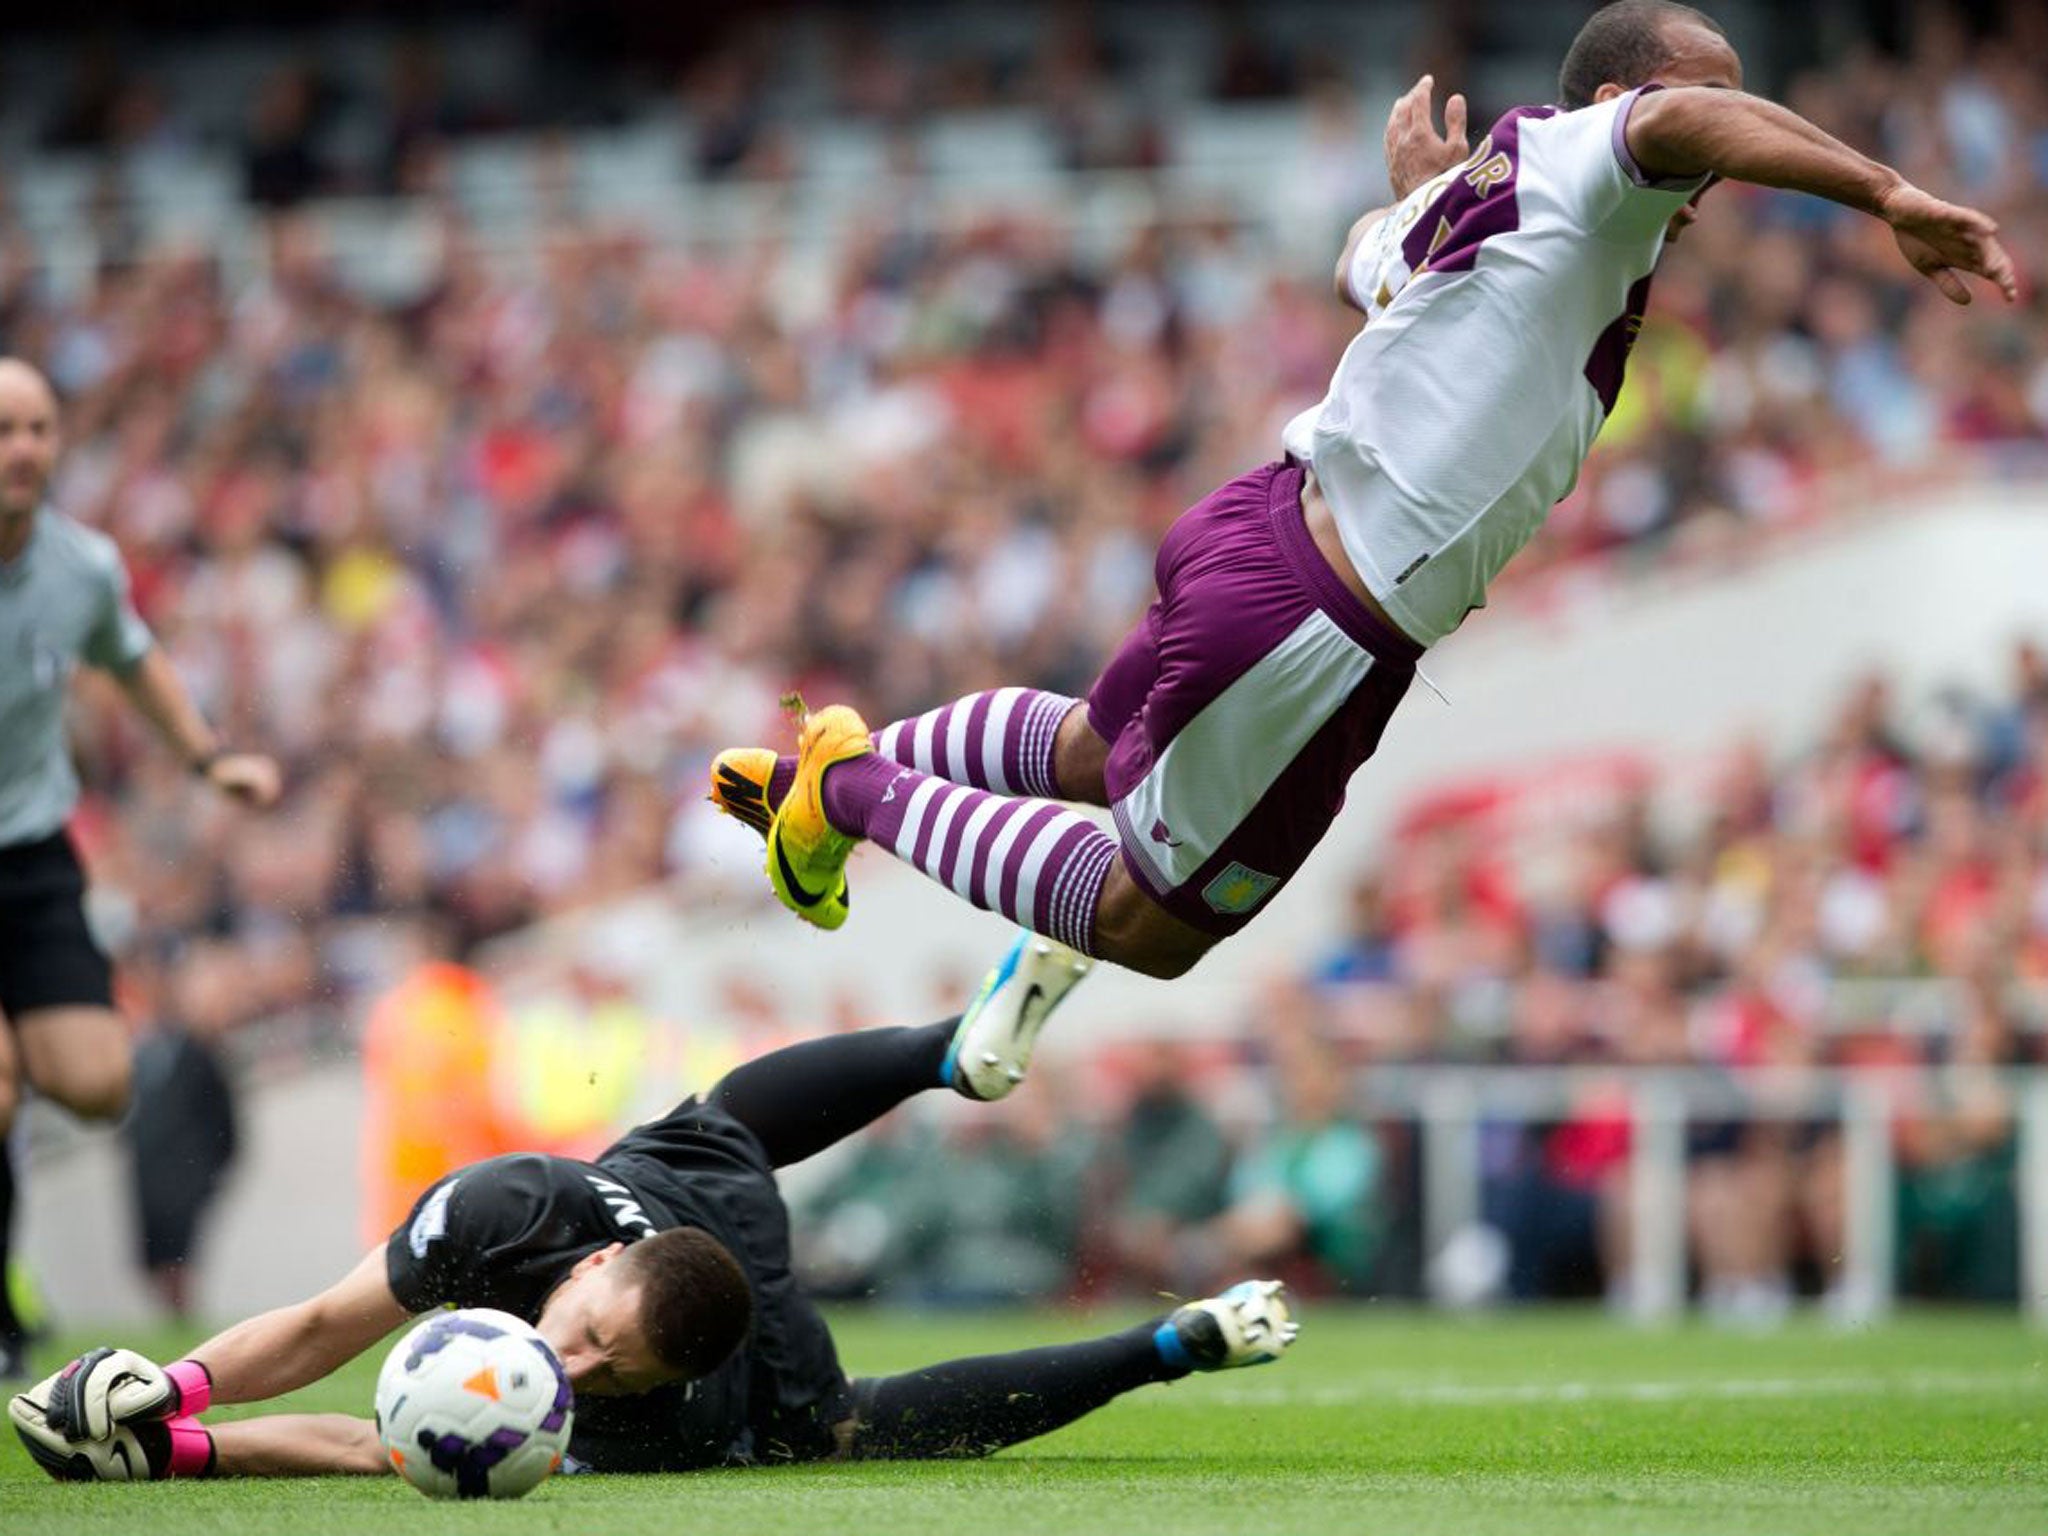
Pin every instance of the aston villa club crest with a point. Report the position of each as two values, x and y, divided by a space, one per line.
1238 889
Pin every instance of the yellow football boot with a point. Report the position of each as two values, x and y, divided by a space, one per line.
806 853
739 785
740 777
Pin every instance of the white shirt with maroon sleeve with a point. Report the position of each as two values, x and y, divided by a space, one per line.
1501 300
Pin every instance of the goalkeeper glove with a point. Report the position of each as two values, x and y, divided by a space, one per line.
104 1389
144 1452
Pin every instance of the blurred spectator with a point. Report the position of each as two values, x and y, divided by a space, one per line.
1367 952
282 160
86 113
995 1216
1305 1196
1958 1233
428 1105
1172 1160
1557 1190
853 1229
181 1131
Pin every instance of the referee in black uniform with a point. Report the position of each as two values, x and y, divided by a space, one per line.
63 600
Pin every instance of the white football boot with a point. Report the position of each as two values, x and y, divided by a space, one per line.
1249 1324
992 1046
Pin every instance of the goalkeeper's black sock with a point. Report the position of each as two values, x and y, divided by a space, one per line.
11 1330
976 1406
802 1098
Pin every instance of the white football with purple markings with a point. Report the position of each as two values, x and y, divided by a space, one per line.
474 1405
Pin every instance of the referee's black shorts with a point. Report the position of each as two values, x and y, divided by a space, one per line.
48 958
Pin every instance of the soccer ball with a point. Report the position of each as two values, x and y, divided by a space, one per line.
473 1405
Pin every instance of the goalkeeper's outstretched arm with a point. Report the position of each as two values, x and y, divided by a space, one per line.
298 1445
108 1392
290 1347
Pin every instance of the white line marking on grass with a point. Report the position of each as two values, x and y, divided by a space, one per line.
1911 1384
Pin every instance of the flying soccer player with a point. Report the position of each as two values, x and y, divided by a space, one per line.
660 1276
64 600
1501 297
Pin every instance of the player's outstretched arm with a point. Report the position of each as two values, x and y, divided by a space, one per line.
106 1391
276 1352
156 690
1694 130
291 1346
1341 280
282 1350
298 1445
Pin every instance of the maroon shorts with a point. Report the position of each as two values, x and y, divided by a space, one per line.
1238 709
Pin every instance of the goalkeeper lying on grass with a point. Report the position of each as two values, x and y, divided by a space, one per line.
660 1276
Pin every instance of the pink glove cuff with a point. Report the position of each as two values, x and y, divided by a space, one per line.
195 1386
191 1448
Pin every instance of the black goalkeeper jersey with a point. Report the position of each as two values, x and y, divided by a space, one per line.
505 1232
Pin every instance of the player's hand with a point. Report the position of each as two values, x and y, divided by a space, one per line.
249 777
1415 150
106 1388
124 1456
1942 241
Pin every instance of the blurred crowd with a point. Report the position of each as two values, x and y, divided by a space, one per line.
495 567
1681 922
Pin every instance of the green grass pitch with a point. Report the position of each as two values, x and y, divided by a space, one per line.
1381 1420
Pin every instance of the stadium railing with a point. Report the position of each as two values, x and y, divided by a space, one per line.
1451 1105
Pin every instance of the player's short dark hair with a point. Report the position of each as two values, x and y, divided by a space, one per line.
1624 43
695 1307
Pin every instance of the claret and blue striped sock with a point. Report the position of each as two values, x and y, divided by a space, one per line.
1035 862
1001 740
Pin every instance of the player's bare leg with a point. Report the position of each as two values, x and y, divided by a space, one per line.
1131 929
1134 931
10 1080
1079 758
14 1366
79 1057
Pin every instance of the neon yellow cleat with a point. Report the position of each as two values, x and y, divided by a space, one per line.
739 785
806 853
740 777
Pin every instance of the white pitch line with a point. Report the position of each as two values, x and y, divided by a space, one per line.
1910 1384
